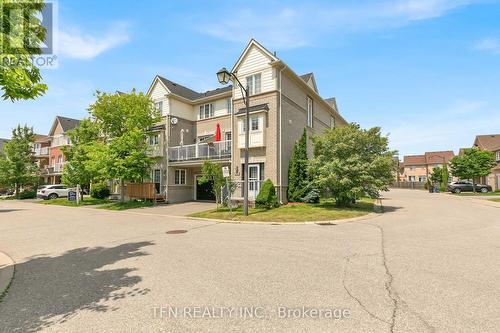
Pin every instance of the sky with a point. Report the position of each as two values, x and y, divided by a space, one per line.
426 71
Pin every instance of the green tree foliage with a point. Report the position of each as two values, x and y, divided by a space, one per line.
100 191
267 197
444 178
212 172
298 179
350 162
437 175
21 35
123 121
472 164
86 155
18 166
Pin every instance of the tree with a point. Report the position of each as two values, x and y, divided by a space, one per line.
18 164
21 34
86 156
267 196
298 179
437 175
444 177
212 172
350 162
123 121
474 163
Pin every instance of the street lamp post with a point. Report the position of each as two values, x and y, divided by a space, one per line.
224 76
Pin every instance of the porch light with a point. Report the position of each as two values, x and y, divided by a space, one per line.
223 76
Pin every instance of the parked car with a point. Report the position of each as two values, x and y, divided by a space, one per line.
53 192
466 186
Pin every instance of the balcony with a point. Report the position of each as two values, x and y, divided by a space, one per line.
55 168
200 151
44 151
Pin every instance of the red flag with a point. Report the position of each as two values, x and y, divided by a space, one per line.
217 133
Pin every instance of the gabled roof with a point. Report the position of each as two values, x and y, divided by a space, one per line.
66 124
436 157
179 89
185 92
332 102
252 43
414 160
489 142
310 77
41 138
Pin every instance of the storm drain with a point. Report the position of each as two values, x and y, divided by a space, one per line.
176 232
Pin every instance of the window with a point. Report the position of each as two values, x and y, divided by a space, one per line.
422 179
159 106
254 124
180 177
206 111
154 139
332 122
229 105
228 136
59 159
253 84
498 156
309 112
411 178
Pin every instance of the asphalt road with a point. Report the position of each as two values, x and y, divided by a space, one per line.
431 262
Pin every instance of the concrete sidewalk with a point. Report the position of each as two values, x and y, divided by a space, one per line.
6 272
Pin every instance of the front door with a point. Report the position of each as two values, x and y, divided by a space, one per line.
204 191
157 180
253 181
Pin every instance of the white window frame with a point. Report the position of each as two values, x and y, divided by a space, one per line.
253 87
253 121
178 180
252 118
229 105
498 156
154 139
202 114
332 122
159 106
310 112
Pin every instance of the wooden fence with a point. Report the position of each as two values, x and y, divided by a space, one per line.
409 185
146 191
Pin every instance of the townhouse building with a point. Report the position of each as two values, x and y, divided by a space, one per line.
418 168
199 126
49 149
490 142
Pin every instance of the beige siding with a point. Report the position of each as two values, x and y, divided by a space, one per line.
256 61
208 126
157 94
181 109
220 107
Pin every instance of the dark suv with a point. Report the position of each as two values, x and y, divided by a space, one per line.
465 186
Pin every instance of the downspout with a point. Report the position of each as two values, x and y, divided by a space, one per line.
280 158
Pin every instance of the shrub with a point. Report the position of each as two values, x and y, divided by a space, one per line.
27 194
99 191
267 196
312 196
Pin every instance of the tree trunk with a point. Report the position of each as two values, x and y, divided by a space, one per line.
122 190
16 192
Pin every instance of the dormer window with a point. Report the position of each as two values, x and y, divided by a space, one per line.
206 111
253 84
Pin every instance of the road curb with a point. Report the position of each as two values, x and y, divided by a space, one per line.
7 271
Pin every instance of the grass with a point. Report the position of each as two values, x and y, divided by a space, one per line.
126 205
479 194
324 211
495 200
65 202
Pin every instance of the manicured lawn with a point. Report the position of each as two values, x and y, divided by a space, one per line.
87 201
470 194
324 211
126 205
495 200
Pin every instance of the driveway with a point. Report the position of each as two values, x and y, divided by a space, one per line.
430 263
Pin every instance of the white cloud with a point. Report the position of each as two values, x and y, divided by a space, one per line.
489 45
78 45
286 28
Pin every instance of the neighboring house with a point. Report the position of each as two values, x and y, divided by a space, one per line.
282 104
418 168
41 148
492 143
58 139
